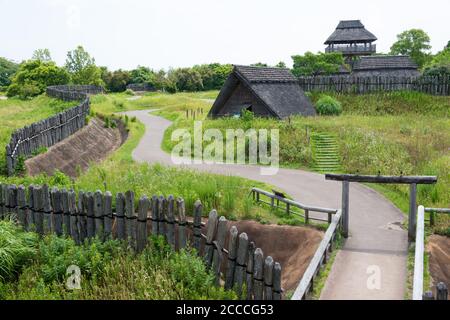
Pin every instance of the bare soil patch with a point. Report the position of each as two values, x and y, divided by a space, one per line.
91 144
292 247
439 262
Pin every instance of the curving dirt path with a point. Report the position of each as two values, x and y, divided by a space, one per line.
372 263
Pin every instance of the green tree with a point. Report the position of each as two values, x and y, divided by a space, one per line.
7 70
142 75
185 79
213 75
414 43
117 81
439 65
280 64
34 76
42 55
259 64
82 68
312 64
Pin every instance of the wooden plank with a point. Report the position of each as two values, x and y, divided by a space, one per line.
250 270
12 201
198 211
108 215
82 218
3 187
39 209
268 278
143 207
162 215
74 231
66 211
218 246
90 213
241 261
170 223
120 216
57 211
131 219
277 292
305 282
210 233
30 212
382 179
22 203
48 224
181 213
232 256
155 215
98 214
258 275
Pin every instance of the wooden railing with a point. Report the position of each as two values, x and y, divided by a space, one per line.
441 288
320 258
290 204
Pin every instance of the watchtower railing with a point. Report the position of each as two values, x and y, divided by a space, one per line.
352 49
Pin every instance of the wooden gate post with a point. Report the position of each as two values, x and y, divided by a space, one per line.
412 212
345 208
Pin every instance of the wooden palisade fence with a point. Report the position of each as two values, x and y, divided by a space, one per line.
26 141
436 85
237 265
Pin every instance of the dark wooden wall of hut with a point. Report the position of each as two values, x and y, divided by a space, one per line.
241 96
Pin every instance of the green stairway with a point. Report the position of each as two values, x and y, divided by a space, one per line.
325 152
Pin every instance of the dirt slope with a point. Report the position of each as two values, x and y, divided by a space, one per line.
91 144
439 250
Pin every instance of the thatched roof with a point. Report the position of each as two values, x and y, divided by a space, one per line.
276 88
350 31
384 62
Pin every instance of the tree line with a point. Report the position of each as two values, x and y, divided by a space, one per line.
31 77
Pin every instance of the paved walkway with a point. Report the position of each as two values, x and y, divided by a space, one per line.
372 263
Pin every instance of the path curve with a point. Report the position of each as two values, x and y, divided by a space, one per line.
372 263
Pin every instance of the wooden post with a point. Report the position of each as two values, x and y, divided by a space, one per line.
131 217
142 224
241 262
412 212
441 291
48 225
22 203
345 208
307 216
219 243
161 216
39 210
268 278
232 255
170 226
210 233
74 232
66 211
30 211
108 215
277 294
181 212
82 223
120 216
57 211
2 199
98 214
90 215
432 218
155 215
198 209
250 270
258 275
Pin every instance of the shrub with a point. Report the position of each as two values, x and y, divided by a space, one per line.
328 106
129 92
17 248
247 115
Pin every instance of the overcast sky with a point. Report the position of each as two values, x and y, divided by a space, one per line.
177 33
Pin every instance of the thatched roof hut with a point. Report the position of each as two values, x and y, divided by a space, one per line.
270 92
398 66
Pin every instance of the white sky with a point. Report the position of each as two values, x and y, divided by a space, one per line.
177 33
